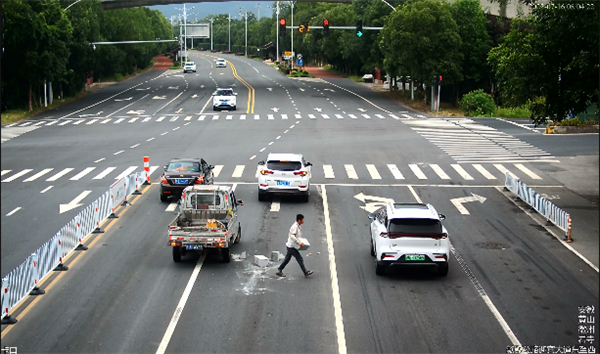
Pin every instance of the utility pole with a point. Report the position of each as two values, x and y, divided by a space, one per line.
229 32
292 3
246 16
277 24
258 14
211 33
185 30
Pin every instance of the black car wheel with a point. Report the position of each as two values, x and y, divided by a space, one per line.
443 270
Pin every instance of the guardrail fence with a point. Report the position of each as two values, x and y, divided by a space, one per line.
549 210
24 279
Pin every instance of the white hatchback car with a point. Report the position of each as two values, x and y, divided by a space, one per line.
409 234
189 66
224 98
220 63
284 174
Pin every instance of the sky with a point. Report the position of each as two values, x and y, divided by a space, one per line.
202 9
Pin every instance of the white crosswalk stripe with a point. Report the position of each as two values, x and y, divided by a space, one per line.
256 117
503 169
373 171
417 171
146 119
173 119
215 117
483 171
106 121
328 170
229 117
188 118
437 169
127 172
284 116
91 122
15 176
339 116
60 174
352 116
202 117
395 171
298 116
350 171
217 170
119 120
243 117
5 172
527 171
239 170
380 116
366 116
270 117
325 116
104 173
38 175
65 122
461 171
258 169
160 119
82 173
52 123
132 120
312 116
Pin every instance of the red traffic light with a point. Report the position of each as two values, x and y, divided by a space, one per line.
440 77
282 22
325 22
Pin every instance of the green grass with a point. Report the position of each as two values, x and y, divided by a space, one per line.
355 78
519 112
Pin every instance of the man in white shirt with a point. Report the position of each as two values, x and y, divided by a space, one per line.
293 244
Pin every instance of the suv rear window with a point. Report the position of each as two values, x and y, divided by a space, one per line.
284 166
184 166
415 226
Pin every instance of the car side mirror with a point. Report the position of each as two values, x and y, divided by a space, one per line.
210 167
165 167
442 216
261 162
240 202
235 93
372 216
214 94
308 164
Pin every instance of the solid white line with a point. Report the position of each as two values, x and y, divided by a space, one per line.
47 189
373 171
438 170
350 171
328 170
217 170
417 171
335 288
461 171
483 171
172 207
38 175
13 211
395 171
275 206
238 171
162 347
104 173
527 171
82 173
13 177
414 193
60 174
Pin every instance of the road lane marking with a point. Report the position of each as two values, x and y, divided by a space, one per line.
527 171
461 171
150 139
417 171
335 288
350 171
102 159
82 173
373 171
126 172
217 170
60 174
238 171
134 146
172 207
483 171
47 189
38 175
119 152
328 170
162 347
104 173
13 177
5 172
275 205
438 170
395 171
13 211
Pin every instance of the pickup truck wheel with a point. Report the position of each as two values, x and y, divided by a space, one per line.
379 269
226 253
239 235
176 254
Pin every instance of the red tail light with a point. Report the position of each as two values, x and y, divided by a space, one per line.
266 172
302 173
199 179
163 180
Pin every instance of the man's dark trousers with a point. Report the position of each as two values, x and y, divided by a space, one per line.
292 252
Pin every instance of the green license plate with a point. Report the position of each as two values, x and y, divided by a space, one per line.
414 257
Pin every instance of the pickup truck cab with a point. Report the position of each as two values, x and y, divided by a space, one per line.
207 220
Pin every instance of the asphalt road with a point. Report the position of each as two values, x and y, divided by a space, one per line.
510 281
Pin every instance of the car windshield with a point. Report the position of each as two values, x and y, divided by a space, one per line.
183 166
415 226
224 93
284 165
220 60
189 64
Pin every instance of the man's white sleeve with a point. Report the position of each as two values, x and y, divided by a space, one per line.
293 233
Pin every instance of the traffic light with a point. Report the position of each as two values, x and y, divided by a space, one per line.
282 27
359 28
325 28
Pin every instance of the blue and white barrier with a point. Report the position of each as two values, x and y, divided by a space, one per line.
24 279
549 210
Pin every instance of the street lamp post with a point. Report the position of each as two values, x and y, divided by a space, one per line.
229 33
277 30
258 14
211 33
292 3
246 16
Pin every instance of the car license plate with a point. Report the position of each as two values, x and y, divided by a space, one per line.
193 247
283 183
181 180
414 257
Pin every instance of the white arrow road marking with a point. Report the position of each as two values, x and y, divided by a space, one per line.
269 88
301 89
362 109
73 203
194 96
473 198
123 99
159 97
318 109
275 109
139 111
179 110
363 197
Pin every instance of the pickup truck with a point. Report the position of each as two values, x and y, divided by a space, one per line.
207 220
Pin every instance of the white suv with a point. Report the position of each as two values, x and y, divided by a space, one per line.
409 234
220 63
224 98
284 174
189 66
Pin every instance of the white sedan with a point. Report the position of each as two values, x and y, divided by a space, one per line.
224 98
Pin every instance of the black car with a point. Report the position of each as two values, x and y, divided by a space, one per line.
183 172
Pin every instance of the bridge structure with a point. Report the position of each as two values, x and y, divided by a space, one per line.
511 10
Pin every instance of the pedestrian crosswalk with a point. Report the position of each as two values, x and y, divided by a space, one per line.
171 118
468 141
8 133
325 173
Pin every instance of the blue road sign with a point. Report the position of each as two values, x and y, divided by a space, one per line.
299 62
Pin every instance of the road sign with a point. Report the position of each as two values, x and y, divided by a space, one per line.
287 54
299 62
299 56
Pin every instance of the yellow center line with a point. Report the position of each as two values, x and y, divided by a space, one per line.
61 274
